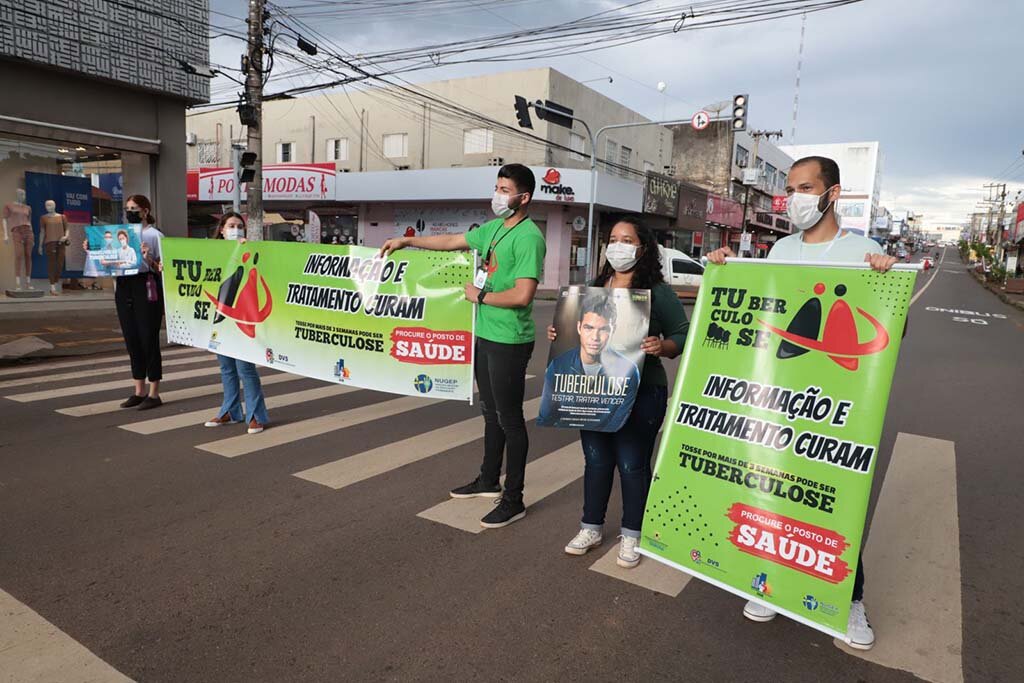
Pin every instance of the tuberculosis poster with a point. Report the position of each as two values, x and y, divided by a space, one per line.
595 362
764 471
114 250
336 313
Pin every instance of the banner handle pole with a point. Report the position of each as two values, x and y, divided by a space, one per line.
472 338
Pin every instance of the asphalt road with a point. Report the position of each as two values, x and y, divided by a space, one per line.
170 562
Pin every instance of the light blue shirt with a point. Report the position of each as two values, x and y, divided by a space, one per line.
151 238
847 247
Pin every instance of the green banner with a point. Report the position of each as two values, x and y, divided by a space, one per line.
336 313
763 475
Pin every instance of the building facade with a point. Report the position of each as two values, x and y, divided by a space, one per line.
400 163
860 170
95 110
716 159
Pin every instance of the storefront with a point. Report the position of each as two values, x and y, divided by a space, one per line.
723 220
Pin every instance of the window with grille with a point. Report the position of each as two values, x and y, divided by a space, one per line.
208 153
611 154
396 145
577 144
337 149
742 156
625 157
284 152
478 141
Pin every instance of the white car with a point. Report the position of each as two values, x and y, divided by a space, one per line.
679 269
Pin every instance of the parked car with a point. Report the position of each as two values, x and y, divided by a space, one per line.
680 270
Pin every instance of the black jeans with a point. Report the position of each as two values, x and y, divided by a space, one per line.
858 579
628 449
140 323
501 376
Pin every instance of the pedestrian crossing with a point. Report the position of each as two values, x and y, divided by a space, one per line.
935 575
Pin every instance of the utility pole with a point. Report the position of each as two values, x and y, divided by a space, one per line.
253 66
757 135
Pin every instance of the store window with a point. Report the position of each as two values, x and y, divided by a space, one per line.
86 186
478 141
337 149
284 152
396 145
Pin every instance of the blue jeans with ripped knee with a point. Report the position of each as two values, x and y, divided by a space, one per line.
629 450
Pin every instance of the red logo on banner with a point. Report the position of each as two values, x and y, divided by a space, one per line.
804 547
552 177
423 346
779 204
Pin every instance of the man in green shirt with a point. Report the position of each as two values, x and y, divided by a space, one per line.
512 250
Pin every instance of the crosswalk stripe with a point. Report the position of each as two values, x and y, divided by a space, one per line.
649 574
92 362
105 386
101 407
303 429
912 563
355 468
94 372
33 650
198 417
544 476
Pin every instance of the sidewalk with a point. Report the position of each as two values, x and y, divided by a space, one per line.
1015 300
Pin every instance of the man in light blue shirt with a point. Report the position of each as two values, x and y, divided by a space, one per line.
813 189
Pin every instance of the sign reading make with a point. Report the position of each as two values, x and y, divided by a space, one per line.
551 184
661 195
280 181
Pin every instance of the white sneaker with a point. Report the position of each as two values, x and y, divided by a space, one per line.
628 555
858 630
755 611
584 541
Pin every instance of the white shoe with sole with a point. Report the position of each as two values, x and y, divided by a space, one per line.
858 630
628 557
758 612
584 541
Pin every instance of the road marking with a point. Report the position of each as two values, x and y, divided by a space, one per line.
32 650
912 561
78 374
356 468
295 431
91 362
168 396
198 417
649 574
544 476
105 386
929 283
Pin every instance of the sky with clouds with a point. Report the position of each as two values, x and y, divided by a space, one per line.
938 83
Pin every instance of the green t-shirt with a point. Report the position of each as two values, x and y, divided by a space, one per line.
516 252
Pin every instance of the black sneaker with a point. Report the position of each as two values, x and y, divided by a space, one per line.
150 402
476 489
504 513
133 401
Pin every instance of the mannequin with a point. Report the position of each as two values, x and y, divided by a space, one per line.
18 224
53 235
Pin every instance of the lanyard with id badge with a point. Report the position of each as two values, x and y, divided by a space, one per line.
480 279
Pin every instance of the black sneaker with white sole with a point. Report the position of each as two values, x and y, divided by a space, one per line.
504 513
476 489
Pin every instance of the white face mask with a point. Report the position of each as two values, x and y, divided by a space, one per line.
621 256
499 204
802 209
232 233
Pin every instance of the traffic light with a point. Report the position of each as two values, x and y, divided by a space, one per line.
247 115
739 112
246 167
523 112
555 113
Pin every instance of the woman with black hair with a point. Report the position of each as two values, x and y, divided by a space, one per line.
633 262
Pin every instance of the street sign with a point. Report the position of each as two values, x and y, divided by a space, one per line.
579 223
700 120
750 176
745 242
779 204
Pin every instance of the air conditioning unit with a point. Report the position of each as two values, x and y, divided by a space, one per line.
191 139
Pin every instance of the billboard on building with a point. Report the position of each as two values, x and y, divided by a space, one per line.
661 195
438 220
280 182
692 208
724 211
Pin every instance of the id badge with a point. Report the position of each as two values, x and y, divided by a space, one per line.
480 279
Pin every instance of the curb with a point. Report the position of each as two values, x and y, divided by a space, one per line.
1003 296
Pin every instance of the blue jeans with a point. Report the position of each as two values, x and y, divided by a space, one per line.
230 370
629 450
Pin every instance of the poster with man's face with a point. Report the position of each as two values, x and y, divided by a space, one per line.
595 361
114 250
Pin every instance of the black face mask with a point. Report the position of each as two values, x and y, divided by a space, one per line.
133 216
